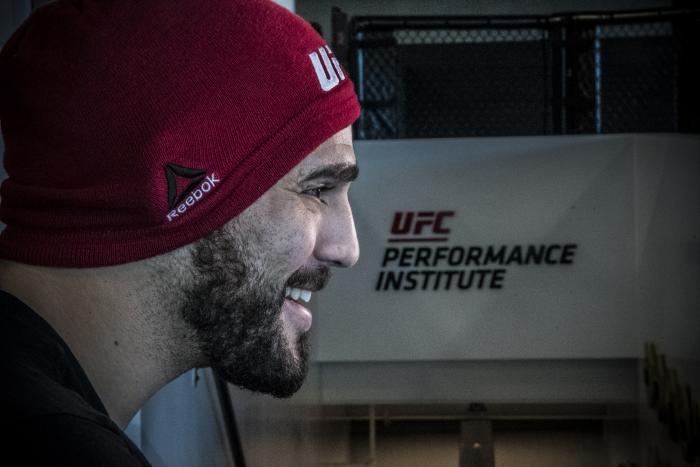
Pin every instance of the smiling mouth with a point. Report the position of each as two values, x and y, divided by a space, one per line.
298 295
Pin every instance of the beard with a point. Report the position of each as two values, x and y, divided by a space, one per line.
234 307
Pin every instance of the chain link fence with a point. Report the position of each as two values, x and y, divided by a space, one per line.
421 77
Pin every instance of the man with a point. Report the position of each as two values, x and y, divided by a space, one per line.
178 179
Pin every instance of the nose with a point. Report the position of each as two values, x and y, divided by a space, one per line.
336 243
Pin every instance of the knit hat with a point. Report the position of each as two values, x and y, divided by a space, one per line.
135 127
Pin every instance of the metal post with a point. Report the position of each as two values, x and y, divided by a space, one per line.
372 436
476 446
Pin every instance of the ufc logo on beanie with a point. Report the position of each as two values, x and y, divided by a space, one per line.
328 76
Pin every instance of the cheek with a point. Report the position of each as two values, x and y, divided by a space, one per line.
287 229
290 242
298 244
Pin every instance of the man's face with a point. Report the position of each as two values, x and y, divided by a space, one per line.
253 277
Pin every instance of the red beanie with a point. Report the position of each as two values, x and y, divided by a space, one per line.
135 127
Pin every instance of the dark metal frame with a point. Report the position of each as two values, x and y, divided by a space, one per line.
566 103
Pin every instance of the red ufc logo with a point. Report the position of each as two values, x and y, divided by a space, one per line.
421 222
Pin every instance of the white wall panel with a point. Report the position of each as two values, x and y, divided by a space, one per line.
504 191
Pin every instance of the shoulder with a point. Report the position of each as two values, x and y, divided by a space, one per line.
70 440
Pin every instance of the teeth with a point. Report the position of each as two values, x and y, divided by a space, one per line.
297 294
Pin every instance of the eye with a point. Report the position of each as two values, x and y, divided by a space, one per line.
318 191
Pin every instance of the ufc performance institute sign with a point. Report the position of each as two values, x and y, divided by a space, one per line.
426 261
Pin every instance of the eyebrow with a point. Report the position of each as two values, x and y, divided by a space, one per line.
338 172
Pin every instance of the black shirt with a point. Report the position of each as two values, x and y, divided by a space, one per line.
50 413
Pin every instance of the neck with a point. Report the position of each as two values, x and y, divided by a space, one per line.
128 342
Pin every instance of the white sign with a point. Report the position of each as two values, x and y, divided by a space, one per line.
486 248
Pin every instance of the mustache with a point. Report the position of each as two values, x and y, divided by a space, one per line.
310 279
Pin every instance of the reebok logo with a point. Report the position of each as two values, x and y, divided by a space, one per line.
198 185
330 74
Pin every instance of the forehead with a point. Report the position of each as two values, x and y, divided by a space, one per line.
335 150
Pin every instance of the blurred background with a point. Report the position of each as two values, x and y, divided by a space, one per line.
528 220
